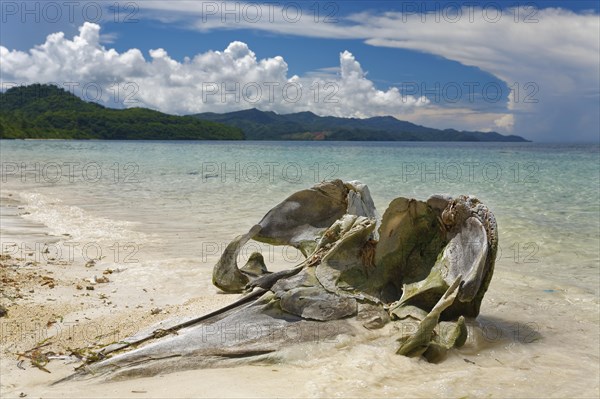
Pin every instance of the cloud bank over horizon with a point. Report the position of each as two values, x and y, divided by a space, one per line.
553 74
549 57
214 81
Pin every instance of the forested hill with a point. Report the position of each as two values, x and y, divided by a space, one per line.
48 112
260 125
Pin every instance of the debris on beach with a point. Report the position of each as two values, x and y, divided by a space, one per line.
48 281
101 279
38 358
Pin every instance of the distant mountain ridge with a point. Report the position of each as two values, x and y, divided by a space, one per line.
268 125
49 112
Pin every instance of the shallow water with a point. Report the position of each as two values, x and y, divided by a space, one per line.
166 211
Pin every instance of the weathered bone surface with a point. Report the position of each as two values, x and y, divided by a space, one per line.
426 262
300 221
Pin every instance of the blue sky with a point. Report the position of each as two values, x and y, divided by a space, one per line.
404 58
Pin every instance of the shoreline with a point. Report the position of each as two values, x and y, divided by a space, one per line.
531 341
58 310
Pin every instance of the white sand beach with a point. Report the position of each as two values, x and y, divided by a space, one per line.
536 336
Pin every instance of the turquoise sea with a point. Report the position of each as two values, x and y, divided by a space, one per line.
172 206
545 196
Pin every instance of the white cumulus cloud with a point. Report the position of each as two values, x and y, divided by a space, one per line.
215 81
547 56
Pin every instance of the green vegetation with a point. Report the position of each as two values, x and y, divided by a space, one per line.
48 112
259 125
